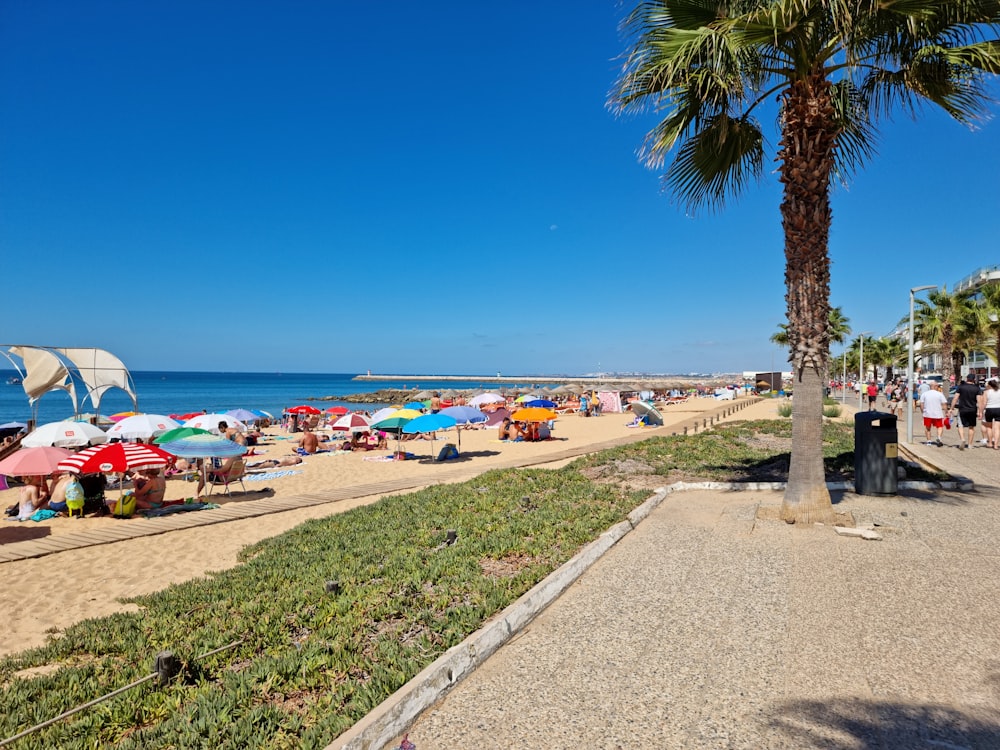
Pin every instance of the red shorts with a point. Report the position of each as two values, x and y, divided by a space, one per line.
933 422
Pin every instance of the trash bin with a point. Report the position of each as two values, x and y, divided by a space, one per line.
876 448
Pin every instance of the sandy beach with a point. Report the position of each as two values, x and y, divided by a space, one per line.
46 594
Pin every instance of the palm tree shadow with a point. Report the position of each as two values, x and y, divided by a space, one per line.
885 725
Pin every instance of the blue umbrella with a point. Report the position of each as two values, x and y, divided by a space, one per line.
464 415
429 423
543 403
243 415
418 405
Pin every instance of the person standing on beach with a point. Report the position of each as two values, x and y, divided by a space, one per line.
435 402
968 401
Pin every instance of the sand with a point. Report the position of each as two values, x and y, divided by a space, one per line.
47 594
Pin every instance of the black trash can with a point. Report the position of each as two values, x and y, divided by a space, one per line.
876 448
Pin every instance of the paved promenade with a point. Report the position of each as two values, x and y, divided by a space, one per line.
714 625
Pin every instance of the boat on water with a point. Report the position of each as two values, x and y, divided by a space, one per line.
13 381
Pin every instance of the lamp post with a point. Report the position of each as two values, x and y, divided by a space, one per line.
861 371
909 366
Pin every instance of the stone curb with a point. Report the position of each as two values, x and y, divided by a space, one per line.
394 716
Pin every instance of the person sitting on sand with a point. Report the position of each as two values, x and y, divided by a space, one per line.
34 492
503 429
308 443
231 433
150 488
270 463
57 500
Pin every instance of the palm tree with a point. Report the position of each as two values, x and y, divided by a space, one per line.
988 313
938 320
836 67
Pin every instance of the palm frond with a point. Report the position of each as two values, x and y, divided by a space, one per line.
723 158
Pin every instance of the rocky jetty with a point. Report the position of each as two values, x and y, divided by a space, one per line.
385 396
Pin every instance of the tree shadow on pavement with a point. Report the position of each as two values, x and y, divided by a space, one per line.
885 725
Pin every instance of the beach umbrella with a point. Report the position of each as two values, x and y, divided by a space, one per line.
122 415
65 435
203 446
303 409
210 422
261 414
533 414
429 423
496 416
115 457
341 410
382 414
415 405
395 421
524 398
352 423
141 427
243 415
33 462
464 415
540 402
487 398
422 395
648 412
179 433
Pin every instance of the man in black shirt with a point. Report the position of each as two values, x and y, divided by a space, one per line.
969 402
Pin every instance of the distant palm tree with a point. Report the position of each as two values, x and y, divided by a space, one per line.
937 321
988 319
836 67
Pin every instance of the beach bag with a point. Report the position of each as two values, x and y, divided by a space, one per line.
124 506
947 423
448 452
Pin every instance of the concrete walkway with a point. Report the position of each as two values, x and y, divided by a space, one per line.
713 625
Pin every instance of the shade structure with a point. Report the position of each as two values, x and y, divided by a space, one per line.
533 414
303 409
65 435
141 427
648 412
243 415
204 446
210 422
179 433
487 398
352 423
382 414
464 415
524 398
496 417
340 410
542 403
395 421
415 405
115 457
429 423
33 462
122 415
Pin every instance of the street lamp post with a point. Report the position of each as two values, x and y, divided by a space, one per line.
861 372
909 366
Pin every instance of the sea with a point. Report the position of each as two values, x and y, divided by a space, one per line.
214 392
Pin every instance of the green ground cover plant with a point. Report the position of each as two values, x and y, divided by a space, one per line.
334 616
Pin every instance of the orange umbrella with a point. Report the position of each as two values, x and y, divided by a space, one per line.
534 414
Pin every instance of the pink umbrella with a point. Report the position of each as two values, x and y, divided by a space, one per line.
33 462
115 457
352 423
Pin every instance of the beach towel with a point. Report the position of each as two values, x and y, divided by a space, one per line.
379 458
270 475
42 515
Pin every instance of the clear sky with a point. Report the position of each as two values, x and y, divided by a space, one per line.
411 188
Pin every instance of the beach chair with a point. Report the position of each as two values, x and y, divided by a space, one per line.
237 470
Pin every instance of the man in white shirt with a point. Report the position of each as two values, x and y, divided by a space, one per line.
933 404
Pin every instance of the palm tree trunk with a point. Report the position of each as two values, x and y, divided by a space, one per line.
806 156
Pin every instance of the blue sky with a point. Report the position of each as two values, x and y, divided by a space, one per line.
411 187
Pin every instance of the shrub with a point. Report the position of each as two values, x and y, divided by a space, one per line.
784 410
832 410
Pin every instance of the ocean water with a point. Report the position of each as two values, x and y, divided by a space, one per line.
182 392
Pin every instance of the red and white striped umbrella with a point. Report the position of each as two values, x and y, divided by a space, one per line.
352 423
115 457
